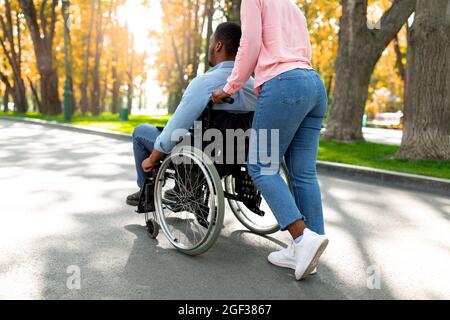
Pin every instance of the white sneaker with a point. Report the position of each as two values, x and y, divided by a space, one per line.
307 253
286 258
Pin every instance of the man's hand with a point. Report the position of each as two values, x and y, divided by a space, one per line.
152 162
218 96
148 165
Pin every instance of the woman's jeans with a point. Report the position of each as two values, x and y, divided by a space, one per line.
292 105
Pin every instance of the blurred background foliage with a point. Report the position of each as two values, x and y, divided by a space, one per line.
113 66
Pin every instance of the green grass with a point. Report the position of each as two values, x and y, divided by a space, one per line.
380 156
366 154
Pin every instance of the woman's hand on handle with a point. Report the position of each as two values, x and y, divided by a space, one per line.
218 96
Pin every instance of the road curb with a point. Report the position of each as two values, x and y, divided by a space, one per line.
386 178
71 127
346 171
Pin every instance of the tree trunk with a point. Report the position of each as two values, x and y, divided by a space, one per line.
209 7
36 99
427 89
42 37
19 96
399 59
130 73
130 94
329 82
141 97
197 39
12 34
68 91
49 90
360 48
233 10
6 99
95 94
174 101
84 101
116 100
105 88
349 98
19 84
8 90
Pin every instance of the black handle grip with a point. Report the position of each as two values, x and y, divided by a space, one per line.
228 100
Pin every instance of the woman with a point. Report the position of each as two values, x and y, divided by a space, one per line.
291 105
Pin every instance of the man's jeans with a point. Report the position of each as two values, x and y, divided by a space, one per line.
295 103
144 137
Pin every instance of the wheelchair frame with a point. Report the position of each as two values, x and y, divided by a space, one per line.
243 197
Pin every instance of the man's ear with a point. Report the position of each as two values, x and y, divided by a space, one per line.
219 46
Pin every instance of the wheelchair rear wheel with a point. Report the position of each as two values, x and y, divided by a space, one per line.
189 201
266 224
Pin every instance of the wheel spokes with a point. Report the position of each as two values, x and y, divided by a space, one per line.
186 199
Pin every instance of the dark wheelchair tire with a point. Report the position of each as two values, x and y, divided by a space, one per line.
152 228
245 216
217 197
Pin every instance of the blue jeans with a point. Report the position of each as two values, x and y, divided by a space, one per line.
295 103
144 137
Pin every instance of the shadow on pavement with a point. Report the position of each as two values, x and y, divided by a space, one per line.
78 184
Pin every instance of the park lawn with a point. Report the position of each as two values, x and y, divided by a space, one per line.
366 154
380 156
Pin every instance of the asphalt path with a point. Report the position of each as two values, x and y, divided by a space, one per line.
63 215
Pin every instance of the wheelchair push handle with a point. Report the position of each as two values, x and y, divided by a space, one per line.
228 100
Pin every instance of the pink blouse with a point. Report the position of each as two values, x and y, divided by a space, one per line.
275 39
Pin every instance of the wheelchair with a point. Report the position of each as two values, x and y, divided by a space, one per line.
185 196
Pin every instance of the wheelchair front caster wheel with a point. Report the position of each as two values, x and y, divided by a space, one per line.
152 228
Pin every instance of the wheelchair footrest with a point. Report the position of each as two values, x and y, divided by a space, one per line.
146 199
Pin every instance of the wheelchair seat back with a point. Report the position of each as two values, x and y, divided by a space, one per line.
237 123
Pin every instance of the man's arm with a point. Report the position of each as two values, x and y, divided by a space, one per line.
191 107
194 101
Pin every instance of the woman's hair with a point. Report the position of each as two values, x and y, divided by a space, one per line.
229 33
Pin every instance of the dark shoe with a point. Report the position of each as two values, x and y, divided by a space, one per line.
173 195
175 200
172 200
133 199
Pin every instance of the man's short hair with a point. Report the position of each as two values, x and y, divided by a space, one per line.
229 33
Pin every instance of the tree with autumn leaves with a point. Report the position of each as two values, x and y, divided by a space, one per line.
374 56
358 53
106 67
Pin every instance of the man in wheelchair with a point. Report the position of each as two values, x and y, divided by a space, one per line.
150 144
